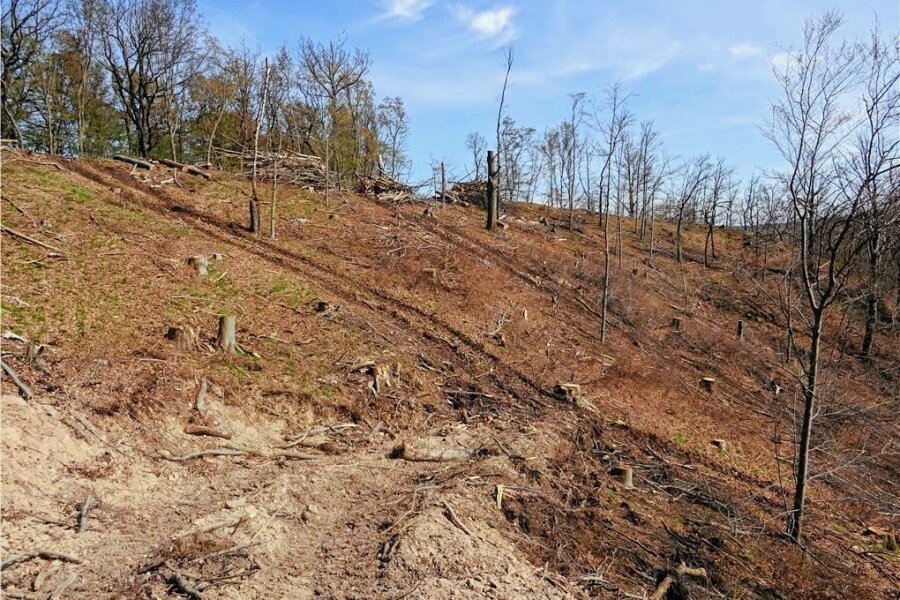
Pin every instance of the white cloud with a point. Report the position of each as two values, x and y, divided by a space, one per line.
496 22
405 10
780 61
744 50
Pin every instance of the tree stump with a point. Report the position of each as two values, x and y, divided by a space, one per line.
624 474
226 336
677 325
740 329
708 384
200 264
185 339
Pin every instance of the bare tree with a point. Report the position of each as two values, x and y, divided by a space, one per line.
613 131
329 73
808 127
279 96
393 127
150 48
24 28
499 159
692 178
875 156
572 171
254 198
476 145
720 183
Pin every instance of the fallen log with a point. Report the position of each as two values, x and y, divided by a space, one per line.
188 168
23 388
663 588
83 515
207 431
44 554
202 453
29 239
181 584
142 164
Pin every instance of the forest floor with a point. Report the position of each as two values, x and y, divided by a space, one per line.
393 426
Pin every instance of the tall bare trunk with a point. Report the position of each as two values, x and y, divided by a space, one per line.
795 523
254 200
605 300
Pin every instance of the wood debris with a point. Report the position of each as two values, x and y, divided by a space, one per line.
384 188
468 192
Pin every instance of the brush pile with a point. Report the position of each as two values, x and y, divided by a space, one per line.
468 192
292 167
384 188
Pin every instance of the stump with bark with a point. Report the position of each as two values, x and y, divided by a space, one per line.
199 263
184 338
624 474
226 336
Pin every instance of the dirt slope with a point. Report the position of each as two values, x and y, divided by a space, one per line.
392 425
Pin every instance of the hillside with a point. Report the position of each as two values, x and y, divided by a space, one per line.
393 422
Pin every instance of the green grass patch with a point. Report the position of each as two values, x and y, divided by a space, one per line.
79 195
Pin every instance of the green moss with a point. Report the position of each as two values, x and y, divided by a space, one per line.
26 320
44 178
680 440
78 195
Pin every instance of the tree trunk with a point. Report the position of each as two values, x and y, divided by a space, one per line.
254 200
492 191
678 230
443 184
795 519
871 320
605 299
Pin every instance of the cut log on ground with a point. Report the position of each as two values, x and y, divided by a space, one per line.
43 554
24 390
25 238
430 454
142 164
187 168
207 431
83 515
683 570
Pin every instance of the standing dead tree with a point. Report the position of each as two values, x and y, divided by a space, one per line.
509 63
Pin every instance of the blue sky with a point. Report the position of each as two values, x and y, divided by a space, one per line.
700 70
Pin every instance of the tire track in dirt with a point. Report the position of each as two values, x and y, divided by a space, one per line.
346 288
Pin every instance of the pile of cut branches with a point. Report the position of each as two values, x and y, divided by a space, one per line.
385 188
292 167
468 192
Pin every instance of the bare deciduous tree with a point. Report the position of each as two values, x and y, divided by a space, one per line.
809 126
